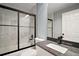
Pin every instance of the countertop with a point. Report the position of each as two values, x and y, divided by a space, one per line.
72 51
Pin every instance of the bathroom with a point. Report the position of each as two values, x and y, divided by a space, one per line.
44 29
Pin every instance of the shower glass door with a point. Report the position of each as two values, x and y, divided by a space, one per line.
17 30
8 30
26 30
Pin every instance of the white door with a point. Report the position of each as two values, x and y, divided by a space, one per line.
70 25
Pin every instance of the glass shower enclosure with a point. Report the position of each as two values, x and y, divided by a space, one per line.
17 30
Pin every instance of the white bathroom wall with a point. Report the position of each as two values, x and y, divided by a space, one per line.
57 23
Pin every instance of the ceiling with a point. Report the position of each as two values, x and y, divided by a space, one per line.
31 7
27 7
53 7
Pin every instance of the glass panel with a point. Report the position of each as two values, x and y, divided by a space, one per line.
8 39
50 28
32 21
24 37
8 17
26 30
24 19
31 32
8 34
